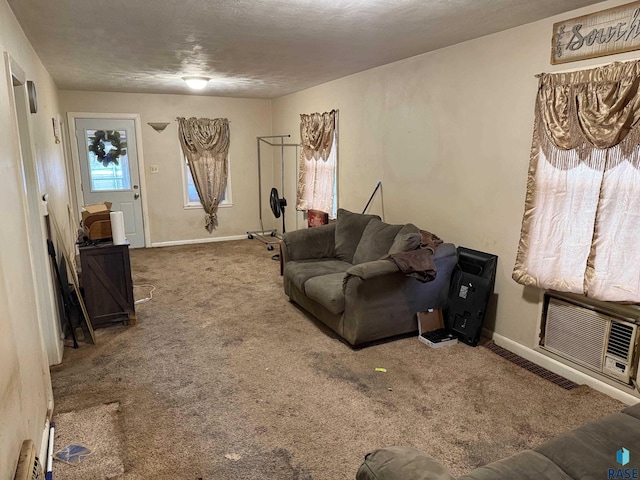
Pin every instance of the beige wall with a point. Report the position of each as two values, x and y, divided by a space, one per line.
449 134
168 220
25 387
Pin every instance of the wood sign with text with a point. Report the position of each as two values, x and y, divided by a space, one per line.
611 31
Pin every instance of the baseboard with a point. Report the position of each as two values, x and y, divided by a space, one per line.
173 243
566 371
44 441
44 444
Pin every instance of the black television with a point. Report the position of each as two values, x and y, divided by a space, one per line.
471 286
477 263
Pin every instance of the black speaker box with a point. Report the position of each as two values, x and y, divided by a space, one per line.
471 287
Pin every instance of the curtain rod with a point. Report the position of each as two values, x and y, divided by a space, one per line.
178 118
335 110
584 67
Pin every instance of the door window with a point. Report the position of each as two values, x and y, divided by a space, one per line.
106 172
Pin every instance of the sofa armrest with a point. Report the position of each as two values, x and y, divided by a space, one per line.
308 243
401 463
369 270
380 301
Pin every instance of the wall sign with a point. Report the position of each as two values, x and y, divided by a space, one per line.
611 31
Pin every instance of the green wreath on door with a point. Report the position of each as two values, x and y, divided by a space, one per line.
97 146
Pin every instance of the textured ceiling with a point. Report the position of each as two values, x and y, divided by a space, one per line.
251 48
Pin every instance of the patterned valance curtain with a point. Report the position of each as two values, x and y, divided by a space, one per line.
205 143
581 223
316 180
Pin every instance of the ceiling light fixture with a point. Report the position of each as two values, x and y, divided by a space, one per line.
197 83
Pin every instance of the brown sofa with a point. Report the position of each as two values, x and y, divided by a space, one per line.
337 273
586 453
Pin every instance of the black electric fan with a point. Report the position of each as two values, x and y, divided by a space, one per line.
277 206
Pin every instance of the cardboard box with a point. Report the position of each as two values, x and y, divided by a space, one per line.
439 338
94 209
431 329
430 320
96 221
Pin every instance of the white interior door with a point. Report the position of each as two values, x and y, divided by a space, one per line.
118 184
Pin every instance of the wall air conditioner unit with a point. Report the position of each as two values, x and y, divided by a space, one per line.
600 336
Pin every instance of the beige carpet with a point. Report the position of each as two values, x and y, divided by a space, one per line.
96 428
223 378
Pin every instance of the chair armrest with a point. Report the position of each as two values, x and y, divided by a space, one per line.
401 463
369 270
315 242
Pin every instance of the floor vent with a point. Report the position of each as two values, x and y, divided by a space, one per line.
530 366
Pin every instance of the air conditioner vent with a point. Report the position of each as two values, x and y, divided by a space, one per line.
620 339
29 467
578 333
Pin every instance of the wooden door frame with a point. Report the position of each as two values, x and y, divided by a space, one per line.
46 302
75 155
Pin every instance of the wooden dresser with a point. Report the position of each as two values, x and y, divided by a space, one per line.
107 284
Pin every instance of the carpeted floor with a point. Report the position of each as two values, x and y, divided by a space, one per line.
223 378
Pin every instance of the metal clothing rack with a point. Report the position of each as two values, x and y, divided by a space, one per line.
269 237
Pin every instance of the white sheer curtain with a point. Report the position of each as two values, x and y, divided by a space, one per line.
613 272
318 162
558 242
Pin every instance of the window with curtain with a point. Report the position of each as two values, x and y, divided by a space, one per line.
205 144
317 180
191 198
581 223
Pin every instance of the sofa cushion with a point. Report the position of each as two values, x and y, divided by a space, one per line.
587 449
407 239
307 243
399 463
349 228
299 271
527 465
327 291
376 240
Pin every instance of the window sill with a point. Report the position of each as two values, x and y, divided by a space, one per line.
194 206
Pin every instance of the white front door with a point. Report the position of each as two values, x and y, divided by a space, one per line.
100 142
